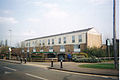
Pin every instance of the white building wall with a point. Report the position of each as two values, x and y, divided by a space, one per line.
56 38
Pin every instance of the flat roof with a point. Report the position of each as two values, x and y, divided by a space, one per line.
60 34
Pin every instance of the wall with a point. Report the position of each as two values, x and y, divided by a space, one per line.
94 39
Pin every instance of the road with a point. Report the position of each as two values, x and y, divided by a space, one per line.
11 71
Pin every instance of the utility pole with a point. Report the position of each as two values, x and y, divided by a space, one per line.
114 34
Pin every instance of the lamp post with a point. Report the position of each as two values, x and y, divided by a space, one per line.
114 34
10 44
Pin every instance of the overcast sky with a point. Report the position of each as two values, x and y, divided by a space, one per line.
35 18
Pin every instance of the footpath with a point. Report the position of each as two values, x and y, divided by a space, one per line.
70 67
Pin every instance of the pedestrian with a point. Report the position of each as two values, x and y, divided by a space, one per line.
69 57
25 60
21 60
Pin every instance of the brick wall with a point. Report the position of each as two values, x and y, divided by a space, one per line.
83 46
69 48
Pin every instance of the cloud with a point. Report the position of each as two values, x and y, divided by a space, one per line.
7 11
29 34
46 5
54 10
56 13
8 20
34 20
98 2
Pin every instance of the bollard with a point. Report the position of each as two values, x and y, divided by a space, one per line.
61 66
52 63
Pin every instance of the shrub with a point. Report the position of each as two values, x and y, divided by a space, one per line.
87 60
97 52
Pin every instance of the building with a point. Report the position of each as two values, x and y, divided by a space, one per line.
64 43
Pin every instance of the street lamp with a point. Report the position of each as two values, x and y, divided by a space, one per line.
114 34
10 44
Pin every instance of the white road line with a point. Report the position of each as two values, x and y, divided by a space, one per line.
35 76
7 72
87 74
10 68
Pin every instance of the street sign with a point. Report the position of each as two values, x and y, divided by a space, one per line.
108 42
10 49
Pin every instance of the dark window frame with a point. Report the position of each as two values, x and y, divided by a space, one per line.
73 39
64 39
59 40
52 41
80 38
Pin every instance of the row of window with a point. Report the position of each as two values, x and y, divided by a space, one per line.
64 40
62 47
59 41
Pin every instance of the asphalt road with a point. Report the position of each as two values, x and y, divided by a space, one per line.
11 71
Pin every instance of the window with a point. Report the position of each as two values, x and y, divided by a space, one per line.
34 49
43 42
76 46
64 39
51 47
52 41
48 41
73 39
33 43
62 47
29 44
26 44
59 41
80 38
40 42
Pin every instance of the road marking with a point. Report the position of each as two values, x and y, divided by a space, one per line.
35 76
42 66
10 68
87 74
7 72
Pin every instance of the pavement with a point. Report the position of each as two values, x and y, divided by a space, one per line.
70 67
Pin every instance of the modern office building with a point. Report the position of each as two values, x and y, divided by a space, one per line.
69 42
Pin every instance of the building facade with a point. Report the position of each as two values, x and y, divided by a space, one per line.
69 42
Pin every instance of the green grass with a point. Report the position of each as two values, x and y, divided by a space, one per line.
99 66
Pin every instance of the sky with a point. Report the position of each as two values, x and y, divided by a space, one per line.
36 18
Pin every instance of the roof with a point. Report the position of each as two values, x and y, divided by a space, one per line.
62 34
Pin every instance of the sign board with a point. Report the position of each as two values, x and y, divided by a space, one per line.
108 42
10 49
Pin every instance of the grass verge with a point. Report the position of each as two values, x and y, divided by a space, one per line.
99 66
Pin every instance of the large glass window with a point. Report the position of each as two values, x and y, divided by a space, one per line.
73 39
48 41
59 41
64 39
80 38
52 41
